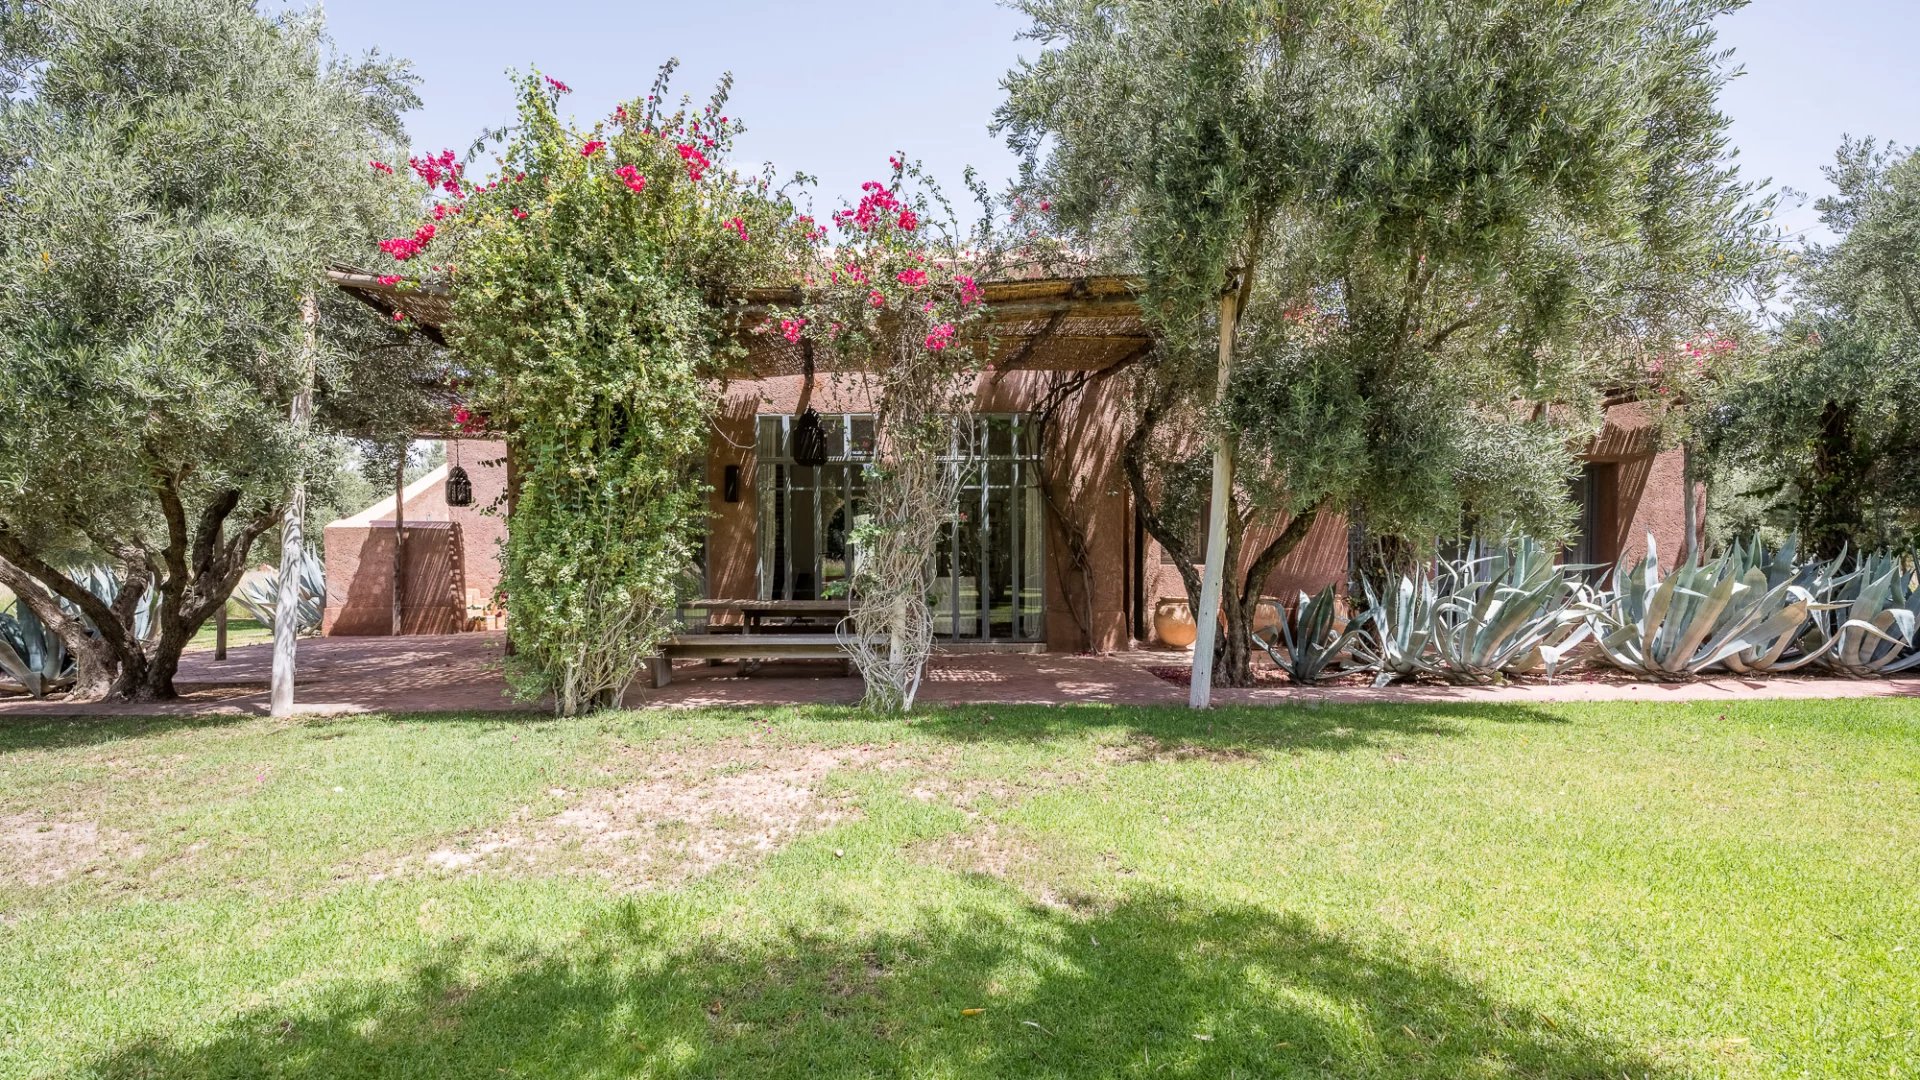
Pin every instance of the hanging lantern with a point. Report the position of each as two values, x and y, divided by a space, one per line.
809 440
459 488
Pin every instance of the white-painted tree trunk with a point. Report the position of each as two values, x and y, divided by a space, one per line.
1212 579
400 542
286 607
1690 510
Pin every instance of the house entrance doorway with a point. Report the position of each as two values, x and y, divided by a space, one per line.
988 576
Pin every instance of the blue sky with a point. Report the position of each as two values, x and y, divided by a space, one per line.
833 87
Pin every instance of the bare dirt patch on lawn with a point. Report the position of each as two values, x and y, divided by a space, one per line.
695 811
37 850
1050 878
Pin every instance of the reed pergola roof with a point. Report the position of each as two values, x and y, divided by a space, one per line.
1042 324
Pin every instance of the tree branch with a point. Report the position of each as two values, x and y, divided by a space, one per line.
207 536
94 608
1440 336
1277 549
1132 459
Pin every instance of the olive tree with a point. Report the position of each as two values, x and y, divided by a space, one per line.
1825 426
179 174
1394 251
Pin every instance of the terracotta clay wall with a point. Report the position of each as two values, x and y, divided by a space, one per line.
1639 494
453 552
1641 489
1089 557
483 530
360 580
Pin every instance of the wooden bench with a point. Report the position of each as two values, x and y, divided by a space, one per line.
743 647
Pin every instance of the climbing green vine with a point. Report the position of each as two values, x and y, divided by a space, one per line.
594 274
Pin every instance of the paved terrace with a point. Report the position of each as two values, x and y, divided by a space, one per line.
462 672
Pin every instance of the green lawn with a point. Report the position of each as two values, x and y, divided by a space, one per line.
1336 892
240 631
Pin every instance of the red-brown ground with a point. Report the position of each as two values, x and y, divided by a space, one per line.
462 673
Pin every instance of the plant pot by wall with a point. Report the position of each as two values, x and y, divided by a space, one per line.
1267 613
1173 622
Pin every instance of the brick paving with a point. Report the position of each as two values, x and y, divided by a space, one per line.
462 673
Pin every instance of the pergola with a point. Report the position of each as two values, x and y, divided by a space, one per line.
1041 324
1090 326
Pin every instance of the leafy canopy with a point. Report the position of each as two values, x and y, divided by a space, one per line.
1826 425
1449 216
594 273
179 174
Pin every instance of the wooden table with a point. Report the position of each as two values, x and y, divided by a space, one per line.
755 615
757 639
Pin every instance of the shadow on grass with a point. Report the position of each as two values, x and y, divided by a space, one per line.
1233 729
1156 986
43 731
37 731
1249 728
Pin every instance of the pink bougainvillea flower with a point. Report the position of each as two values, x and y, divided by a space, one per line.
406 247
381 166
592 147
876 201
697 163
399 316
437 170
908 222
940 337
1045 206
389 279
876 298
620 113
969 290
631 177
790 329
737 227
518 214
912 279
557 84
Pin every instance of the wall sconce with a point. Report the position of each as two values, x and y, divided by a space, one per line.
730 484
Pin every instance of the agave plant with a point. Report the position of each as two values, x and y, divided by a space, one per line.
1399 643
30 653
104 582
1871 623
1782 642
1310 640
1511 612
261 596
1731 611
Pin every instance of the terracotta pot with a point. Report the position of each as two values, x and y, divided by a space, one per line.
1266 617
1173 622
1267 613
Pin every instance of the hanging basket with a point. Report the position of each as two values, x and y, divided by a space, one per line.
459 488
809 440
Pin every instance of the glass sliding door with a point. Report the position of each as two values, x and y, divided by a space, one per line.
808 512
988 577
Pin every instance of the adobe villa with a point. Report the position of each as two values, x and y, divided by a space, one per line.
1051 432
